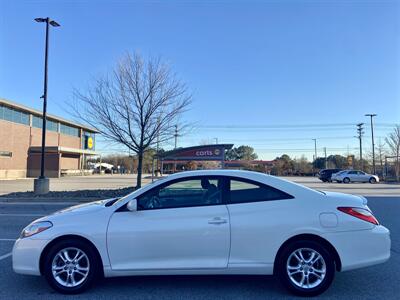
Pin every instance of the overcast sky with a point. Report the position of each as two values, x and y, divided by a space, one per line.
269 68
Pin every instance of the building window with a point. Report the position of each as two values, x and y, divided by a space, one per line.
52 126
5 154
38 122
69 130
14 115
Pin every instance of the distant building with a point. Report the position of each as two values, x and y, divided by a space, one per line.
68 144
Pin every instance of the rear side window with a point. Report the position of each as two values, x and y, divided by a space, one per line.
244 191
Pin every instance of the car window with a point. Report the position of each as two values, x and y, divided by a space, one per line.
243 191
361 173
353 172
183 193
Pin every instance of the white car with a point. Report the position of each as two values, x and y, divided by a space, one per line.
348 176
207 222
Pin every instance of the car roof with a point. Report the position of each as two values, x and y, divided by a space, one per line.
280 183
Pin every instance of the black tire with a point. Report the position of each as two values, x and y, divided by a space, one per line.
346 180
287 281
372 180
94 266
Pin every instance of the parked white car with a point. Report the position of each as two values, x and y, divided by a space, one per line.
207 222
354 176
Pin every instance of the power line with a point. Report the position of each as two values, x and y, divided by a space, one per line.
278 126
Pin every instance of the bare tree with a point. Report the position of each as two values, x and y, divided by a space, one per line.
137 105
380 153
393 141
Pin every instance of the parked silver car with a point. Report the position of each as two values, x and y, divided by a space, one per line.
354 176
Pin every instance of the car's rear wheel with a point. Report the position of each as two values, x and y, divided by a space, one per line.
306 268
346 180
372 180
70 267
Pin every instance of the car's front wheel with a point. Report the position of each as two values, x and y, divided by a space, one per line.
70 267
306 268
372 180
346 180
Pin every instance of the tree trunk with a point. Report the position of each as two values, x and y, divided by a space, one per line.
139 170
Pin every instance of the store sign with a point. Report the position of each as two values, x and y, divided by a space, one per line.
205 153
89 142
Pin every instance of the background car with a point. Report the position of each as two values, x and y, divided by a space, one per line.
207 222
354 176
325 174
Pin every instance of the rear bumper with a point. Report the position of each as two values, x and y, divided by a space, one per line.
358 249
26 255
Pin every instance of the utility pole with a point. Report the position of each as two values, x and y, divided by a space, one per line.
176 136
41 184
373 144
315 149
326 162
315 156
360 132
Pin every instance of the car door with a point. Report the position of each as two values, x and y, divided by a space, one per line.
258 216
353 176
363 177
183 224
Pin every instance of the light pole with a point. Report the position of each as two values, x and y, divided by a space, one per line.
41 184
373 144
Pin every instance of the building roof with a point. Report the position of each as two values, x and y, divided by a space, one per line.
49 116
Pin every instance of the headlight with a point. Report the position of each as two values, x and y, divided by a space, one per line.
35 228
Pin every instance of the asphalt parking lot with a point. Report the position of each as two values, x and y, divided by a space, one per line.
382 281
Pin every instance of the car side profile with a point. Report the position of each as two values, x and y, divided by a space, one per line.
348 176
207 222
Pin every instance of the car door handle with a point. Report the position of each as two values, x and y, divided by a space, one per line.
217 221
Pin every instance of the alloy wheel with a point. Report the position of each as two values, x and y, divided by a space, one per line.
306 268
70 267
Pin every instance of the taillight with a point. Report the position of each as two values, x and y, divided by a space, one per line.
360 213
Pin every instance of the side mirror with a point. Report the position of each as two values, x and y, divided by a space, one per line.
132 205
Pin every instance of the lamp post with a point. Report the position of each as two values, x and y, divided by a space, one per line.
373 144
41 184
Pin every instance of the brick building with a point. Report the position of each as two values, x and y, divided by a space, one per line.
67 143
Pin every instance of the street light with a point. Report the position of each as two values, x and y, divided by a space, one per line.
373 144
41 184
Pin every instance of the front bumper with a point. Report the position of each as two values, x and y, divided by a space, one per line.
362 248
26 255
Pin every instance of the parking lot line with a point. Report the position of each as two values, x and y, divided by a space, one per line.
7 240
5 256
